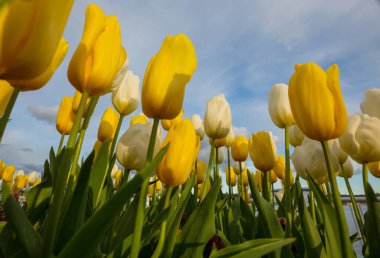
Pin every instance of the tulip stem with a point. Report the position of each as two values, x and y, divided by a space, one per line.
266 187
5 118
288 204
216 163
354 205
345 242
115 137
365 178
242 194
161 240
229 174
311 203
136 238
207 178
60 143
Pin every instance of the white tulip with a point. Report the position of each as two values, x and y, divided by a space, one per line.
236 167
220 156
279 106
296 136
340 154
217 118
32 178
198 125
280 194
309 158
114 170
230 137
19 172
371 103
361 139
132 147
348 169
126 95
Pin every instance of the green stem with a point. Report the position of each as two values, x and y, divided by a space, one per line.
207 179
136 238
242 194
115 137
266 190
229 175
161 240
312 205
60 144
7 112
288 208
354 204
346 246
216 163
365 179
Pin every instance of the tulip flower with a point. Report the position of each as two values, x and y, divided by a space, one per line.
291 179
176 165
230 178
198 125
371 103
273 177
240 148
76 101
220 156
374 168
158 184
280 194
262 150
8 173
168 123
2 167
150 190
217 118
236 167
348 169
258 180
28 42
279 106
201 171
230 138
114 170
309 158
37 182
316 101
247 196
99 55
126 94
6 91
339 153
140 119
200 189
132 146
279 167
244 176
166 77
296 136
219 143
108 124
65 116
33 177
361 139
117 177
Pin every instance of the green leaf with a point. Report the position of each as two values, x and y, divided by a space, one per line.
312 240
247 221
233 232
199 227
30 240
372 222
92 232
253 248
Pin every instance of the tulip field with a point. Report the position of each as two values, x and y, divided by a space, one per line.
145 191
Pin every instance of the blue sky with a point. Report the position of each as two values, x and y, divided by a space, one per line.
243 48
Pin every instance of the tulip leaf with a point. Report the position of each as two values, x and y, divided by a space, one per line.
30 240
233 213
247 221
312 240
92 231
372 222
200 226
253 248
10 245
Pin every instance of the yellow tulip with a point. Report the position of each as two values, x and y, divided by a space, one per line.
38 181
30 33
6 91
118 175
97 59
219 143
166 76
8 173
263 151
201 171
317 102
176 165
150 190
158 185
140 119
247 196
39 81
167 123
258 180
76 101
244 176
230 178
239 148
96 148
279 167
65 116
2 168
374 168
273 177
200 189
108 124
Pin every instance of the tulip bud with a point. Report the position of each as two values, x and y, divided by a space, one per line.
262 150
339 153
198 125
230 177
247 196
33 176
176 165
38 181
217 118
126 94
97 59
236 167
273 177
230 138
296 136
8 173
279 167
6 91
150 190
279 106
258 180
317 102
114 170
117 177
201 171
108 124
158 185
2 167
166 76
240 148
167 123
244 176
348 169
374 168
65 116
371 103
220 156
140 119
76 101
280 195
361 139
132 147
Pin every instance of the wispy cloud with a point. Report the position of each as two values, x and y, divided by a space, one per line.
46 114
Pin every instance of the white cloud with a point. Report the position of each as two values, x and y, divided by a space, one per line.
46 114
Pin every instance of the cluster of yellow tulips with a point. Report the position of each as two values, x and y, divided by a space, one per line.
174 204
